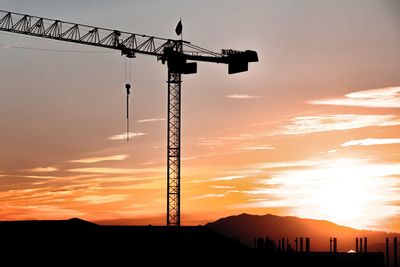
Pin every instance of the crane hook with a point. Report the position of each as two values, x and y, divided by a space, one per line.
128 89
128 92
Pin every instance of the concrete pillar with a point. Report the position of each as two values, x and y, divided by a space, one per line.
387 252
260 243
334 245
308 245
361 245
395 252
301 244
365 245
330 245
357 244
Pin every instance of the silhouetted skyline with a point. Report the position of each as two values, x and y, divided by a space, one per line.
300 134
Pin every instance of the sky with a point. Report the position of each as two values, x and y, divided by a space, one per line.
312 130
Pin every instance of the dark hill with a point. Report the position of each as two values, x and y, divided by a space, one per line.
246 227
75 241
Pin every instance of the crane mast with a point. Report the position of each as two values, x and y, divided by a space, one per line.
176 53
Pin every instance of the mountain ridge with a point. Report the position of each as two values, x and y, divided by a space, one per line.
246 227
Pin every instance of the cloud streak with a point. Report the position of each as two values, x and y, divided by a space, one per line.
95 199
114 170
261 147
372 141
216 195
43 169
337 122
100 159
228 178
388 97
151 120
123 136
240 96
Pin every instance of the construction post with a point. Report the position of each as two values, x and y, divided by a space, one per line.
301 244
357 244
395 252
387 252
334 245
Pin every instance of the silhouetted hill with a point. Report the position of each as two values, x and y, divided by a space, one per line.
246 227
76 241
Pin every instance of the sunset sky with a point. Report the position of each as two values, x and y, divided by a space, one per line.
312 130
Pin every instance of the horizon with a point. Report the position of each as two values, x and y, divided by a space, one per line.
114 222
310 131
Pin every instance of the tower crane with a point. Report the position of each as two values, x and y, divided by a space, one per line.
180 56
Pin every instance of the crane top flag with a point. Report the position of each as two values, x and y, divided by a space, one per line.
178 28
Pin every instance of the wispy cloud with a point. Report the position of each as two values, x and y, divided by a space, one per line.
222 186
337 122
95 199
240 96
388 97
115 170
372 141
209 196
216 195
37 176
228 178
123 136
151 120
43 169
261 147
149 163
286 164
100 159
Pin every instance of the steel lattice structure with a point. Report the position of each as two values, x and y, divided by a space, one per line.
174 148
176 53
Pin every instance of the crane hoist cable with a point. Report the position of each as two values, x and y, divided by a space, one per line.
128 92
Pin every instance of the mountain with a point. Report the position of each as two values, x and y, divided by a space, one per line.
77 242
246 227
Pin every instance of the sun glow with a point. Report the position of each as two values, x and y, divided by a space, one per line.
345 191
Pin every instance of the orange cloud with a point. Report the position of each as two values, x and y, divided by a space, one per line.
239 96
388 97
372 141
95 199
337 122
115 170
43 169
261 147
151 120
216 195
228 178
123 136
100 159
